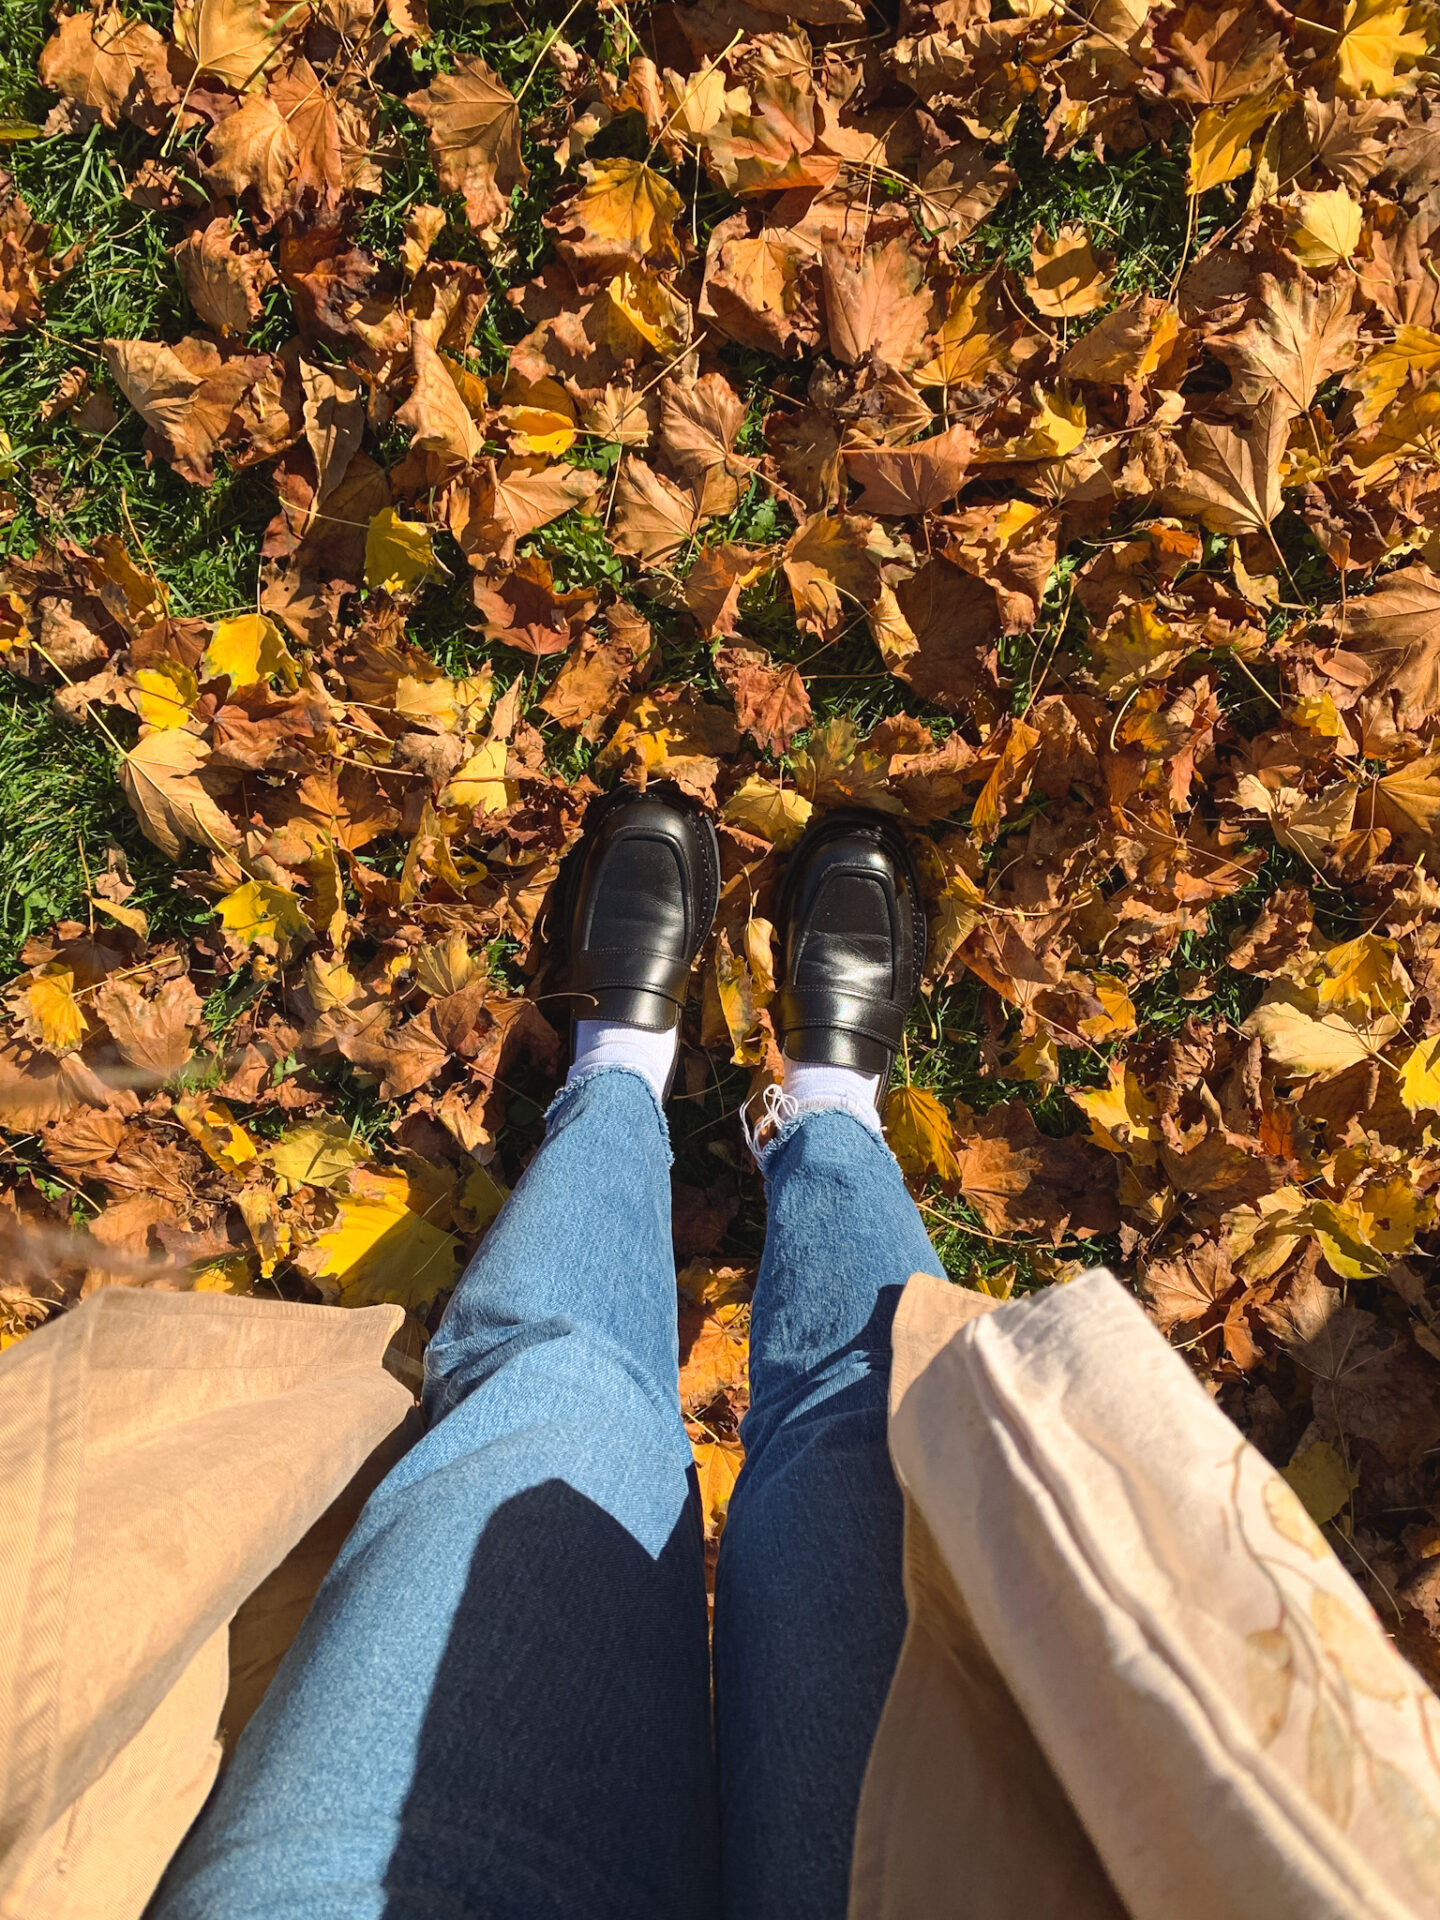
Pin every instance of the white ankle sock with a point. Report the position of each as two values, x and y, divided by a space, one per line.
610 1043
809 1082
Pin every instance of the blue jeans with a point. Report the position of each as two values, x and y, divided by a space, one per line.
499 1706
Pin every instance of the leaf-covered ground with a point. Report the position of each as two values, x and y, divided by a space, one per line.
1021 417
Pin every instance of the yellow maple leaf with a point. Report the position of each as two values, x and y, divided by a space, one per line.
1261 1238
165 694
50 1012
777 814
1122 1116
741 999
1307 1044
921 1136
717 1357
1220 144
539 416
1038 1061
1118 1019
653 308
234 1275
480 1199
966 348
457 704
398 553
1057 429
256 910
270 1235
1419 1078
699 101
626 207
315 1153
210 1123
717 1467
248 650
1364 976
1320 1477
1325 228
1066 281
480 785
890 630
377 1250
1382 374
1375 37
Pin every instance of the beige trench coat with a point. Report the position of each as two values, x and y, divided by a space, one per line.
1136 1680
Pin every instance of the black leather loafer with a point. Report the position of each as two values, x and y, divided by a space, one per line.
638 899
852 930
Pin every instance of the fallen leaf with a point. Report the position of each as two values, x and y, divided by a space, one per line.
625 212
1066 281
921 1136
107 62
771 703
717 1467
1220 146
1305 1044
233 39
880 307
378 1250
1301 337
155 1033
222 280
777 814
399 556
248 651
1376 37
256 910
1325 229
160 777
474 139
1233 480
1322 1480
910 480
315 1153
654 519
435 413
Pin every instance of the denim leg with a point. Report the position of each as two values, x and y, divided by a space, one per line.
809 1610
498 1707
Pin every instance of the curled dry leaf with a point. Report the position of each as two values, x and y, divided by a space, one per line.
771 703
222 281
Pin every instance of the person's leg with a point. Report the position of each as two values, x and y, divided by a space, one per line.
499 1703
809 1610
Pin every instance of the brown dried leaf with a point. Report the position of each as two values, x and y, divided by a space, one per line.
223 280
474 139
155 1034
771 703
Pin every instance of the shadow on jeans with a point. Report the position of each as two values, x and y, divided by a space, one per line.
565 1767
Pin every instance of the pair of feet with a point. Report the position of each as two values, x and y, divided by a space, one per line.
638 900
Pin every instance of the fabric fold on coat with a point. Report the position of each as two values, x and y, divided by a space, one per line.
160 1455
1136 1679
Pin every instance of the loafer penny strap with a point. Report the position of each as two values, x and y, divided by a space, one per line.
808 1007
599 969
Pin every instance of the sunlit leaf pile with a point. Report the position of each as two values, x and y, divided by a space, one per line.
1023 419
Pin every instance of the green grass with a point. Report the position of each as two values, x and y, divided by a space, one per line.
61 808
